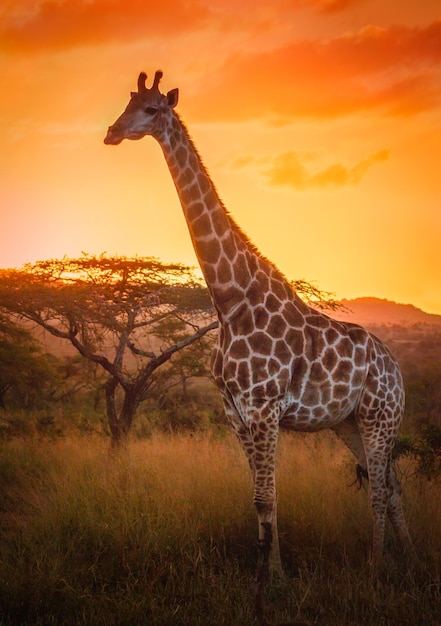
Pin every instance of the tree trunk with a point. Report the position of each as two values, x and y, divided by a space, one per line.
120 425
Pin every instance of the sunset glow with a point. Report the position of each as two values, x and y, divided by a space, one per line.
319 122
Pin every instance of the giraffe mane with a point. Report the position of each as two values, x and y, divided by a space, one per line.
234 225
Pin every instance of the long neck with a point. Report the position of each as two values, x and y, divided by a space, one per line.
228 260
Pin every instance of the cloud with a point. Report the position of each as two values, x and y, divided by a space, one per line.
334 6
282 7
288 170
330 6
63 24
393 69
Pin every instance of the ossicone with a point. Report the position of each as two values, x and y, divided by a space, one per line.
158 76
141 82
143 77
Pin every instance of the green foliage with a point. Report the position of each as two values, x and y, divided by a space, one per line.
423 392
425 449
315 296
27 375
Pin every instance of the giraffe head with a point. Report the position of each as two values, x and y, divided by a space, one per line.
145 113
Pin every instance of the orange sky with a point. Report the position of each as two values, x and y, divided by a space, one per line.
319 121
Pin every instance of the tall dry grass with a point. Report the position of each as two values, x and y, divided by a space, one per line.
164 534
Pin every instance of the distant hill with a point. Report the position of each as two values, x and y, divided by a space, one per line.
379 312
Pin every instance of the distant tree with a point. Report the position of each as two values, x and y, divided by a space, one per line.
26 374
113 310
425 449
423 395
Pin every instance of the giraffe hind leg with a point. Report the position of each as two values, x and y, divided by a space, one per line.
396 514
385 493
371 467
394 506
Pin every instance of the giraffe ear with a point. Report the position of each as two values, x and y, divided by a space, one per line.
172 98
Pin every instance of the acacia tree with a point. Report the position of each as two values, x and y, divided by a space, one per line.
113 310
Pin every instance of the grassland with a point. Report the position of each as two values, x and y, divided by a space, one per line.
164 535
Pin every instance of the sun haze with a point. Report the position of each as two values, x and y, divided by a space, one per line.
319 122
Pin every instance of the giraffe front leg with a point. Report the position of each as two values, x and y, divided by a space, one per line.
275 564
254 447
264 551
259 444
265 443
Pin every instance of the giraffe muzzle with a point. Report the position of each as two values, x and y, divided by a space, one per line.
112 138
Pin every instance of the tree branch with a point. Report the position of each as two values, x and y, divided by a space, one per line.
145 374
72 337
189 340
139 352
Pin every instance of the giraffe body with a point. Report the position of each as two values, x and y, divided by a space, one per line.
278 362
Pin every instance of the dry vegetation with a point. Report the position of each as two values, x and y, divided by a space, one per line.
164 534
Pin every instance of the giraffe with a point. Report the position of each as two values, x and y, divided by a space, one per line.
279 363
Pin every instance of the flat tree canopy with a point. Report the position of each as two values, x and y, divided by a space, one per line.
117 312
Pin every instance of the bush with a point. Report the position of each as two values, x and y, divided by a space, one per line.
425 449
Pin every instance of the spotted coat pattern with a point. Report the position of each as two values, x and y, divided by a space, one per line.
278 362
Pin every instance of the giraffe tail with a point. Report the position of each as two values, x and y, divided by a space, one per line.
361 473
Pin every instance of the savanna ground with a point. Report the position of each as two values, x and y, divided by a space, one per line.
164 534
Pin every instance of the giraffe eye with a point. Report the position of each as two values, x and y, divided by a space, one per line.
151 110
